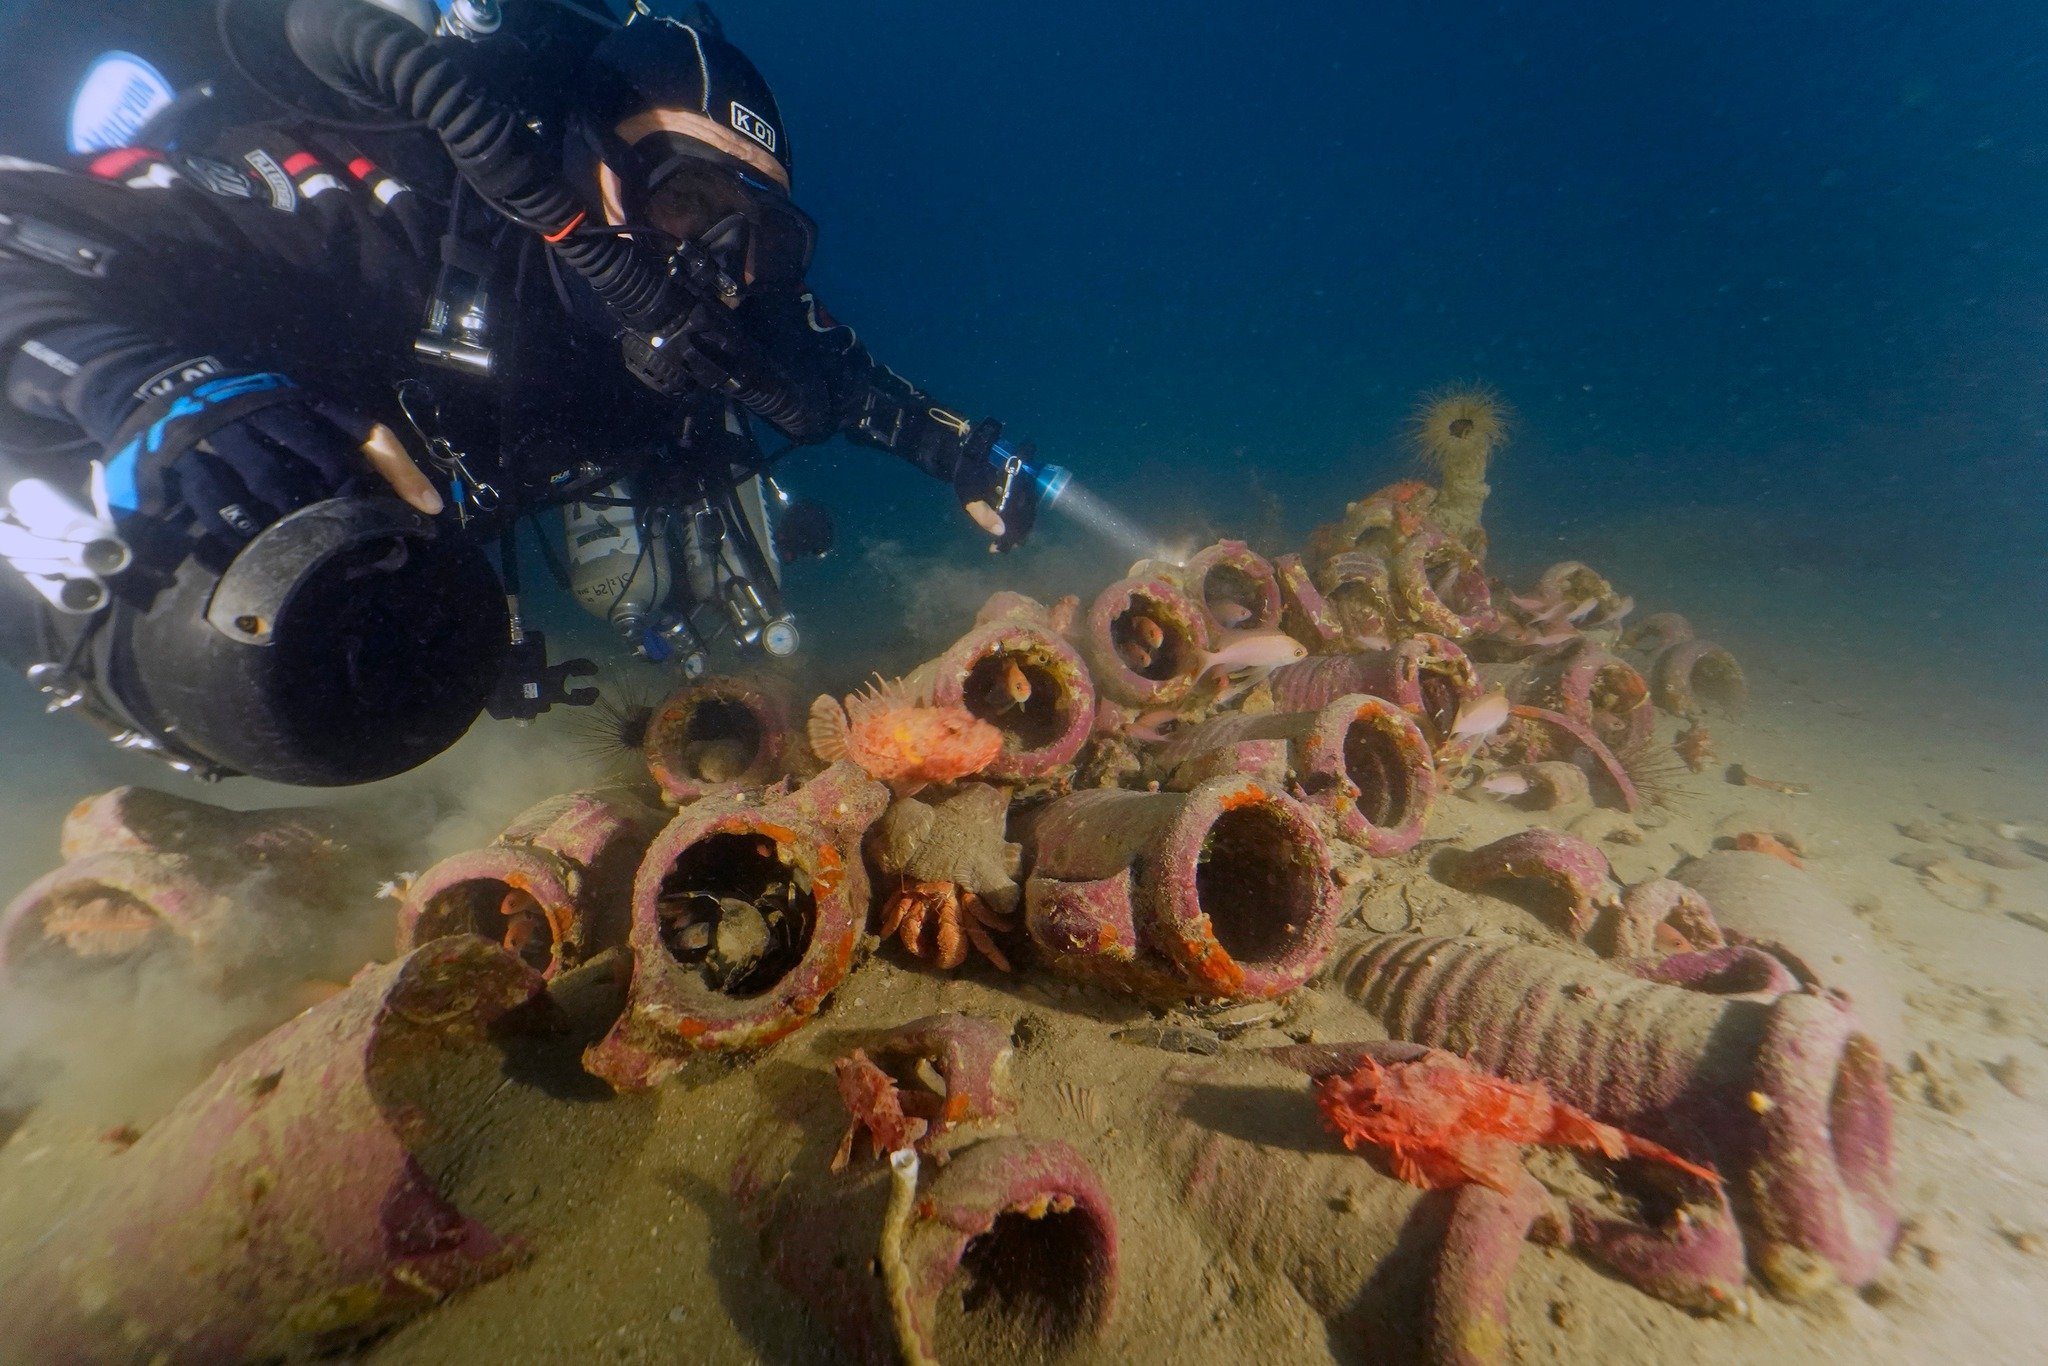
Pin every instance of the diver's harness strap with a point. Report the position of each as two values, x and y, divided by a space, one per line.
31 239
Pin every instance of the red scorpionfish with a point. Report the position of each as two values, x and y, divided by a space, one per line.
1443 1122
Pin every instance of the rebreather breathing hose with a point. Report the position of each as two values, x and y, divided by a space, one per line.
378 59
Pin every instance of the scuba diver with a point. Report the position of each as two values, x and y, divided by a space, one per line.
284 354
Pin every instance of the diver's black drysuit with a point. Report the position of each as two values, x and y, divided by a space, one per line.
300 252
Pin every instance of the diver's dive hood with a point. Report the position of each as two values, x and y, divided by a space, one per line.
353 640
665 90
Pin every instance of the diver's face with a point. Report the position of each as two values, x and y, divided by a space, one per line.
692 200
689 204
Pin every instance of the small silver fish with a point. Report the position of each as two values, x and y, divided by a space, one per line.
1256 650
1505 784
1481 717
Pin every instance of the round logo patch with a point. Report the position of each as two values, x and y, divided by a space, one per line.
119 94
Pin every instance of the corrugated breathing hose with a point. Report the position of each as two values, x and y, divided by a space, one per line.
379 60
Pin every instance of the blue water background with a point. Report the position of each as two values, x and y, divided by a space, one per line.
1769 278
1766 285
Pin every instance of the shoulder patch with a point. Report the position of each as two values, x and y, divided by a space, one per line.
283 197
217 177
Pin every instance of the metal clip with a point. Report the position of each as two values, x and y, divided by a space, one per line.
468 490
1011 467
54 681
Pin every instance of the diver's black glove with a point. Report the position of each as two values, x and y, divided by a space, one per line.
190 439
995 481
996 484
195 439
184 434
238 450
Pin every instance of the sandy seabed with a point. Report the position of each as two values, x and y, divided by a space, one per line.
640 1253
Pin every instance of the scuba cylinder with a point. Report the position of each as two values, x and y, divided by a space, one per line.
616 573
623 572
728 564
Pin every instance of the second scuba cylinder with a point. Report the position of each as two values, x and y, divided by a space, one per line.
618 574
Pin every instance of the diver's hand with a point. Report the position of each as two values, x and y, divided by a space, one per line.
239 450
999 494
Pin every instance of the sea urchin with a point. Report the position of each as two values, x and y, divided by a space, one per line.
1455 431
615 726
1657 773
1459 427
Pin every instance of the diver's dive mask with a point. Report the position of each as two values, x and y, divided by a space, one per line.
687 190
747 223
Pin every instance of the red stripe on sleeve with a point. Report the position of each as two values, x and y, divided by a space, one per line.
298 163
117 163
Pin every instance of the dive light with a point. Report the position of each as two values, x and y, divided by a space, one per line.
1015 462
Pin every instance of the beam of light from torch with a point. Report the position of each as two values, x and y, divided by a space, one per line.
1084 509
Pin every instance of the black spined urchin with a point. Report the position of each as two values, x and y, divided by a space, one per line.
615 726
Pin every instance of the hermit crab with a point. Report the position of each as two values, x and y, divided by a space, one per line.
955 918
